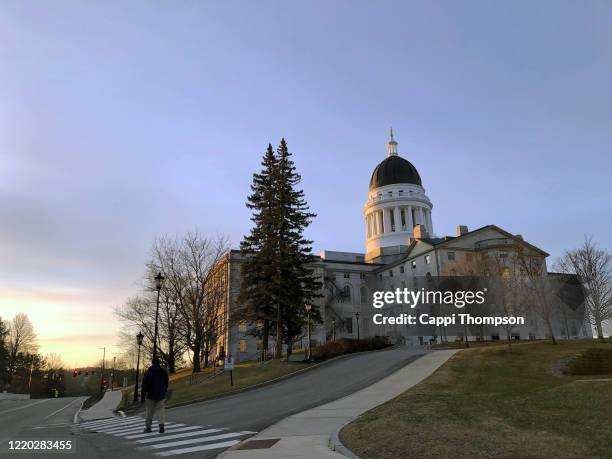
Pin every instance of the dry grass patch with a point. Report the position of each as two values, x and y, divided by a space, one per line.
487 402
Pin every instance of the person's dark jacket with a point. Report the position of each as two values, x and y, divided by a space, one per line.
154 383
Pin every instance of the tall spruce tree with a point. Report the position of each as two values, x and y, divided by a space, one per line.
276 282
295 282
257 290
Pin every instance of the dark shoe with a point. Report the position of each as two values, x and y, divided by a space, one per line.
147 430
161 428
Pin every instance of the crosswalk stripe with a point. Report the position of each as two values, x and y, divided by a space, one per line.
196 440
192 449
106 422
125 425
181 435
169 428
99 422
144 435
129 427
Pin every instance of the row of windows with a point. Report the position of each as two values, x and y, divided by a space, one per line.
348 275
426 260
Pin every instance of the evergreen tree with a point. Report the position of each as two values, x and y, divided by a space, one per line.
3 353
295 282
257 291
276 282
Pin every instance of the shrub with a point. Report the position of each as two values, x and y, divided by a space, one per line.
347 346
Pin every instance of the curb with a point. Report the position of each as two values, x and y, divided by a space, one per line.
336 445
75 419
275 380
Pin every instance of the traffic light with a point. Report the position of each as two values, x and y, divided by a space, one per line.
86 372
79 372
75 373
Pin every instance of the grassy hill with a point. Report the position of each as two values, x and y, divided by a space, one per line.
486 402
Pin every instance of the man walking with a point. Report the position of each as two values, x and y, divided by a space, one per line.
154 388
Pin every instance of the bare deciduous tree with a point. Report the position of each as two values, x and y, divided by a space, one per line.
21 340
594 269
188 263
53 361
138 315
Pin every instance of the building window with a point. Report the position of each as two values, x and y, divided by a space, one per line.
400 192
362 276
347 275
401 269
413 264
348 324
391 273
403 218
427 259
403 285
259 344
390 194
346 292
242 326
381 219
380 276
392 219
363 294
451 256
242 345
503 255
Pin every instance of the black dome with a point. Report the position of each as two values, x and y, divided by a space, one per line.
394 169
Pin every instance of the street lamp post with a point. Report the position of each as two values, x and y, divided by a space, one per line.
357 317
139 338
159 280
334 328
102 372
308 307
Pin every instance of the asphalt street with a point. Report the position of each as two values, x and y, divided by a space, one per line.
46 419
206 429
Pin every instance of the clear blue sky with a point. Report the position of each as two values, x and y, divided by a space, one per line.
123 121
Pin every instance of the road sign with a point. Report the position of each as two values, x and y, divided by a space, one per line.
229 363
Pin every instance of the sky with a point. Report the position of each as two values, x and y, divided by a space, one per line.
124 121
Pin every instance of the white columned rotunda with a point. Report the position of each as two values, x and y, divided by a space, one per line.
396 204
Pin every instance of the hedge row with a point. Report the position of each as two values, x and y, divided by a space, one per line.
347 346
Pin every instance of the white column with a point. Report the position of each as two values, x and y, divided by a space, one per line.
367 226
420 217
409 221
398 219
374 223
387 219
430 221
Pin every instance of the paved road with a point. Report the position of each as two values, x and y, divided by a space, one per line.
41 419
205 429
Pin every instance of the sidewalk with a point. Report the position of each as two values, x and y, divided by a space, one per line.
308 435
104 408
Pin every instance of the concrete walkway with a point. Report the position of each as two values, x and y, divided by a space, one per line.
308 435
104 408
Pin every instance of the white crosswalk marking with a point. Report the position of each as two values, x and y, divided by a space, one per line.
181 435
193 449
124 433
178 439
196 440
143 435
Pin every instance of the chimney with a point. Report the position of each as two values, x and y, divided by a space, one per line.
461 230
420 232
519 236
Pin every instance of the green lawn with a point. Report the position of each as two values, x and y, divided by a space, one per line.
246 374
486 402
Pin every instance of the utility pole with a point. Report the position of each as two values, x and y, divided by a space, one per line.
102 372
112 379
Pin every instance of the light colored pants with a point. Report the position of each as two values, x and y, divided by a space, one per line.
155 406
